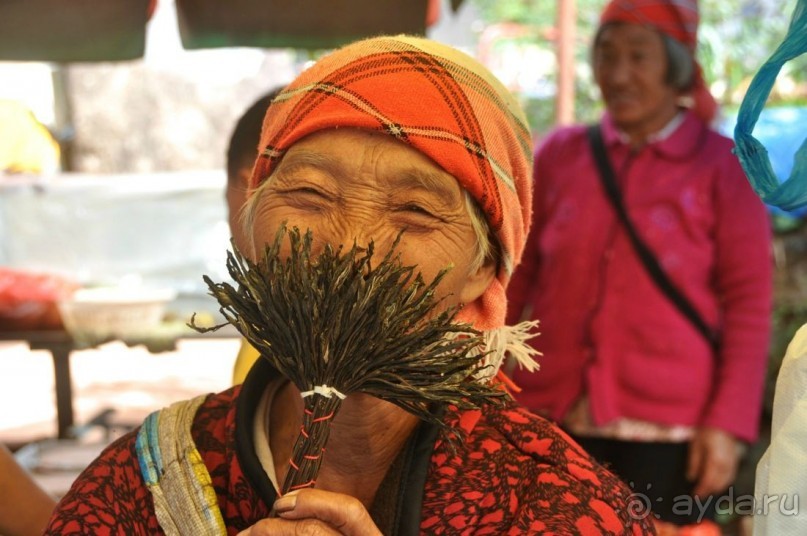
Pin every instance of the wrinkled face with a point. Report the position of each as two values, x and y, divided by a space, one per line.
630 67
350 185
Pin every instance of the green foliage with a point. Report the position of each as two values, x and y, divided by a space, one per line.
520 11
540 16
735 39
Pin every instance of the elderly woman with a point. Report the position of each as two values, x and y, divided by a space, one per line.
385 135
625 369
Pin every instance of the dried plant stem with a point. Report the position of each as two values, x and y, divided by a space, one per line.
309 448
339 319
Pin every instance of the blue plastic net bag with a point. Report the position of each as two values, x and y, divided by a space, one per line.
792 193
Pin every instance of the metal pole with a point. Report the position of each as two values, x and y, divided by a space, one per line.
567 22
64 128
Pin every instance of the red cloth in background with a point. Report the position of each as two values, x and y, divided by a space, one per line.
28 301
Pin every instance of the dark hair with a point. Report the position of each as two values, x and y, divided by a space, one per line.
680 62
243 147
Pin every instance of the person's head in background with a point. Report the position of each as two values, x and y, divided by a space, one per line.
241 154
643 58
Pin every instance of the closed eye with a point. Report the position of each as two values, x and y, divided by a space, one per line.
305 190
304 197
414 208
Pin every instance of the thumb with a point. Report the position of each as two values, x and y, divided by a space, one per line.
343 512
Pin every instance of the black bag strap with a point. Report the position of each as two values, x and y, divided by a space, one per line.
646 255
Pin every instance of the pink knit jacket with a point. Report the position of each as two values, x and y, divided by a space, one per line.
606 329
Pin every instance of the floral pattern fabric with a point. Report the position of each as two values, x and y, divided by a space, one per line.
515 473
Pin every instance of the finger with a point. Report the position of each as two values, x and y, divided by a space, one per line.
707 479
714 480
694 460
286 527
343 512
719 469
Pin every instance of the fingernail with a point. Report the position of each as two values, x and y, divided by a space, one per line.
286 503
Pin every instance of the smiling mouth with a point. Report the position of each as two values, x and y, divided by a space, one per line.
620 97
620 101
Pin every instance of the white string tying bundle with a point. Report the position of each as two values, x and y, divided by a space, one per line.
323 390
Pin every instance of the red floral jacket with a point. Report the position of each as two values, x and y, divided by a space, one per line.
515 473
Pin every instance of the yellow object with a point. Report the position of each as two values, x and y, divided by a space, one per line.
26 146
247 355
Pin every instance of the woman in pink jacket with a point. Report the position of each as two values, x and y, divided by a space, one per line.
624 370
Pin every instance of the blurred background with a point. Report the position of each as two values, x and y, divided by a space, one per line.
121 177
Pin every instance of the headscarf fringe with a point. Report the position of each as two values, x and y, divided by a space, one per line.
509 341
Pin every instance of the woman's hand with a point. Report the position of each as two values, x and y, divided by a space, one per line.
713 459
317 513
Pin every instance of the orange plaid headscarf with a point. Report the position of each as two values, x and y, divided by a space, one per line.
436 99
676 18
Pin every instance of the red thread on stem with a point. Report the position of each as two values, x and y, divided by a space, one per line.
309 484
325 418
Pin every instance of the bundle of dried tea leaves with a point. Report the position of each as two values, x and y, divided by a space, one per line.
338 324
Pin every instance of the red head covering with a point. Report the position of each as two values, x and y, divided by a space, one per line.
441 102
677 19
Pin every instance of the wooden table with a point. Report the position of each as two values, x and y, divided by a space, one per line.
60 345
